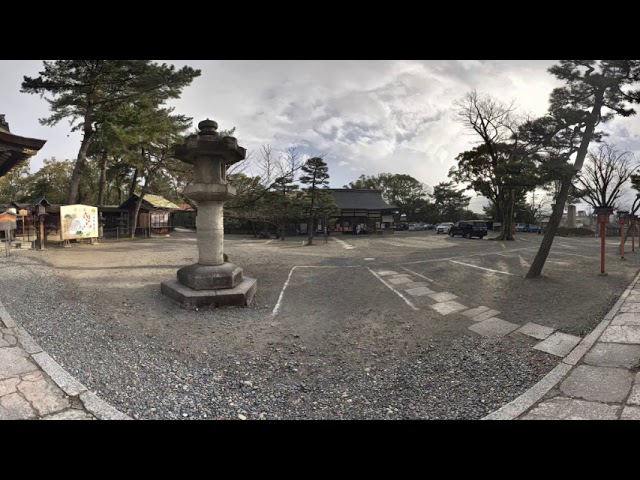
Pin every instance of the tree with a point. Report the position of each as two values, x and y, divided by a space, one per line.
403 191
51 181
500 168
594 92
13 186
604 175
450 202
316 177
88 91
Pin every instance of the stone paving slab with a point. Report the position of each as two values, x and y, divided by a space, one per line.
398 280
536 331
15 407
494 327
9 386
419 292
59 375
558 344
445 308
621 334
71 414
630 413
475 311
571 409
486 315
630 308
443 296
14 361
600 384
43 395
613 355
633 298
626 319
414 285
384 273
634 398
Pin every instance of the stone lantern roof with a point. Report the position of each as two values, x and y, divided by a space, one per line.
208 142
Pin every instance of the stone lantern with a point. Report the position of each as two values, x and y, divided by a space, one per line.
211 281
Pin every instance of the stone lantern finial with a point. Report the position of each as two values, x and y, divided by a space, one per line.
208 127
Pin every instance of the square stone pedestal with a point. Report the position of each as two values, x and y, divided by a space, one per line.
241 295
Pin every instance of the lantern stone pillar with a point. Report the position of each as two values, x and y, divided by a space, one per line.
211 281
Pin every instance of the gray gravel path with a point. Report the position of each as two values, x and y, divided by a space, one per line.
242 365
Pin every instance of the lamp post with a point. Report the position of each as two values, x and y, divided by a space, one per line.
603 218
623 218
634 219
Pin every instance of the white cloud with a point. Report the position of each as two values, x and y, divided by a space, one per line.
366 116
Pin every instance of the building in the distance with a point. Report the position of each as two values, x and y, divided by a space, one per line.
363 211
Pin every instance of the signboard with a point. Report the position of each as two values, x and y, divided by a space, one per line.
7 221
78 221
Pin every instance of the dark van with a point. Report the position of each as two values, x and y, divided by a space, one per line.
468 229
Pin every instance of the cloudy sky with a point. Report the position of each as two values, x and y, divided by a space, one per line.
367 117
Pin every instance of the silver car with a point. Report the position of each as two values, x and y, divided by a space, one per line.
443 227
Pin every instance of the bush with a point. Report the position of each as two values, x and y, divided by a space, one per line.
577 232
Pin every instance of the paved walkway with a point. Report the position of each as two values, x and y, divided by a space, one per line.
34 386
598 380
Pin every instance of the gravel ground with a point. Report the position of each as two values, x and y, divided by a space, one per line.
116 333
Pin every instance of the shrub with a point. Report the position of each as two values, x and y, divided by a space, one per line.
577 232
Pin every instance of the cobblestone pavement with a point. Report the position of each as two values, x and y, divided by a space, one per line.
598 380
34 386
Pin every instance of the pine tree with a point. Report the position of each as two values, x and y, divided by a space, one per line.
316 176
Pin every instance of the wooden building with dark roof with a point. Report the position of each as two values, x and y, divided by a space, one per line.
15 150
362 211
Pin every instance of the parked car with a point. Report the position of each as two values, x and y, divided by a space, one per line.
469 229
443 227
521 228
533 229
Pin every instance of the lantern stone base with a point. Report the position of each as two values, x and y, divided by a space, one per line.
241 295
210 277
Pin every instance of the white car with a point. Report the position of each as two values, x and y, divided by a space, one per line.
443 227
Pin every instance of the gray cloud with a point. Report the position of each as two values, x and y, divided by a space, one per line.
366 116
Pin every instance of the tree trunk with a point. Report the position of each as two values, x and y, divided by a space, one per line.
102 190
132 190
552 227
310 231
508 202
81 162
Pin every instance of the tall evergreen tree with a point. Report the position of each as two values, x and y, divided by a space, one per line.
88 91
316 177
594 92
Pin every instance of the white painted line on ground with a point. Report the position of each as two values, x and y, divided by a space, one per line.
284 287
369 258
268 242
573 254
391 288
344 244
277 307
466 256
481 268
